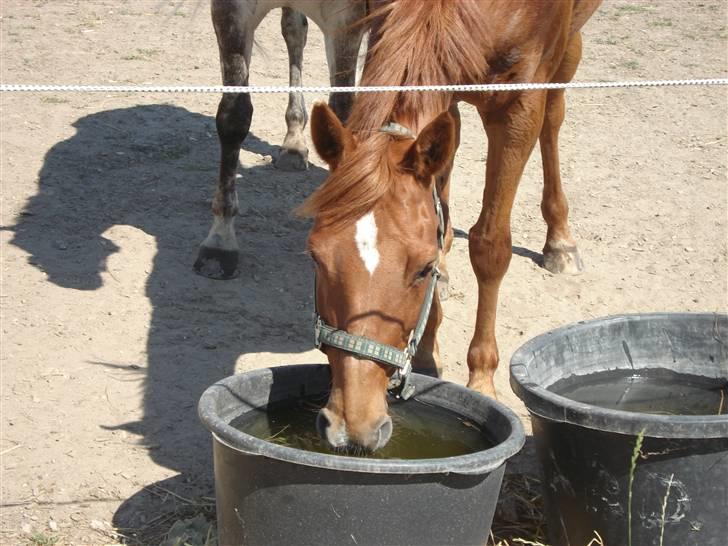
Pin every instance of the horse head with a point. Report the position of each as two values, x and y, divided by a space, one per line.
374 243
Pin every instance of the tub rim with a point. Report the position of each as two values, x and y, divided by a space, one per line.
480 462
548 405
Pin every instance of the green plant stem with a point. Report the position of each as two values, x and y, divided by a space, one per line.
635 454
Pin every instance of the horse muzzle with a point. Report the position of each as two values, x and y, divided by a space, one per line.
367 436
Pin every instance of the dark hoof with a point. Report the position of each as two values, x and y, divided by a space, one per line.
292 160
218 264
562 259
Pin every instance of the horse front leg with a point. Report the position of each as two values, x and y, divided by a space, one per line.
294 152
218 255
512 135
560 254
427 359
443 190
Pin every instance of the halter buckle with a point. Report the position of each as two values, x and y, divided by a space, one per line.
400 384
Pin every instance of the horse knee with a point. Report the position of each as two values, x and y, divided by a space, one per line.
296 114
490 254
234 115
554 207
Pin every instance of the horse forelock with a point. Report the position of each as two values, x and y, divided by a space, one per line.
354 188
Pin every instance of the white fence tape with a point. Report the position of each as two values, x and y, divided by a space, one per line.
31 88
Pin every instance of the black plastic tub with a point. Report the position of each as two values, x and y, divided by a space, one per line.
274 495
676 492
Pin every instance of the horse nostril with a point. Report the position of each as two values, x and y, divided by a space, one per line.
384 432
330 429
322 423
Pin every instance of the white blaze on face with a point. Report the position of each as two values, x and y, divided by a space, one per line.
366 241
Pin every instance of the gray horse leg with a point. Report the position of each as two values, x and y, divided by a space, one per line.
294 153
342 50
218 255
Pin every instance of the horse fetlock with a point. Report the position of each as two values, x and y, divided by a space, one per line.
562 257
225 205
482 363
482 384
293 155
296 115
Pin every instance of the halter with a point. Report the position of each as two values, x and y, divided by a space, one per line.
400 360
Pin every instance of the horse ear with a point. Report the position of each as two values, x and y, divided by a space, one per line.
433 149
330 138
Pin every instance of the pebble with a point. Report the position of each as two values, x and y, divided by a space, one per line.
52 525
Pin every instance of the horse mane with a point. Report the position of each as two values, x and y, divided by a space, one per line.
414 43
435 42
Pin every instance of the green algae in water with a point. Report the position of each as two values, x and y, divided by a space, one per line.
420 431
656 391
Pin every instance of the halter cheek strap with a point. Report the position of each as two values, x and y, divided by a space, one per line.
369 349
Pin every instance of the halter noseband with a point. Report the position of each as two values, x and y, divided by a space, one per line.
400 360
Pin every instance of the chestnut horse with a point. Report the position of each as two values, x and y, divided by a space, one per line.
374 240
235 22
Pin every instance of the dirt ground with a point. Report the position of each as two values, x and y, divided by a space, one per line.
108 338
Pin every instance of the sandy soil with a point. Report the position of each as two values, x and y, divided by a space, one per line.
108 338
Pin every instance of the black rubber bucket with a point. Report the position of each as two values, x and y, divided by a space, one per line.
676 494
275 495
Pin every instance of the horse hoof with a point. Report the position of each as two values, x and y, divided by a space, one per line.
218 264
292 160
562 258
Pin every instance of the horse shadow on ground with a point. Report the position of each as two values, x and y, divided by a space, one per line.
154 168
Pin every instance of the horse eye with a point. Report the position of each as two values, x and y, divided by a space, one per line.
425 271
